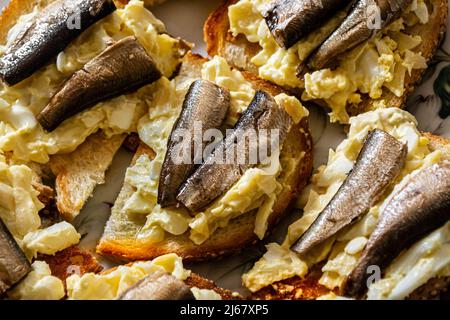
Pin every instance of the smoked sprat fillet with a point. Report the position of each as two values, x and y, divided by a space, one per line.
217 174
121 68
205 105
158 286
48 34
14 265
378 164
291 20
418 208
357 27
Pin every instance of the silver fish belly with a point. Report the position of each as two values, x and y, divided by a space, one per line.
206 105
418 208
121 68
380 161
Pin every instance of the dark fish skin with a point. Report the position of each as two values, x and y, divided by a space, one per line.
418 208
354 30
51 31
158 286
205 103
123 67
216 175
13 264
291 20
380 161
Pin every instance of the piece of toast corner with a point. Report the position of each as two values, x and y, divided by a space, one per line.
79 172
308 288
118 242
238 51
72 260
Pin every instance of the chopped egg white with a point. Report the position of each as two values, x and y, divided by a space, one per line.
428 258
39 284
274 63
19 203
50 240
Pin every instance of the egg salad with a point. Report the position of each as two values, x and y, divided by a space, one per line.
19 210
381 62
38 285
256 190
23 140
111 284
19 203
341 253
20 132
48 241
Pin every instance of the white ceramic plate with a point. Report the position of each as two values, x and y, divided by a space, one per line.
430 103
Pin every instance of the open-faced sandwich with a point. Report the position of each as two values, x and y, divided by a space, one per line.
54 49
222 149
349 56
222 204
376 222
76 78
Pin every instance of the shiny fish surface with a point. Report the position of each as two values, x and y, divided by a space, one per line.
121 68
48 34
418 208
206 105
14 265
291 20
365 19
378 164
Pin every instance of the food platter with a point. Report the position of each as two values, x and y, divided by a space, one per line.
430 103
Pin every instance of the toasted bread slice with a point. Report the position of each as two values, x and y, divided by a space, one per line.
77 173
238 51
308 288
118 243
